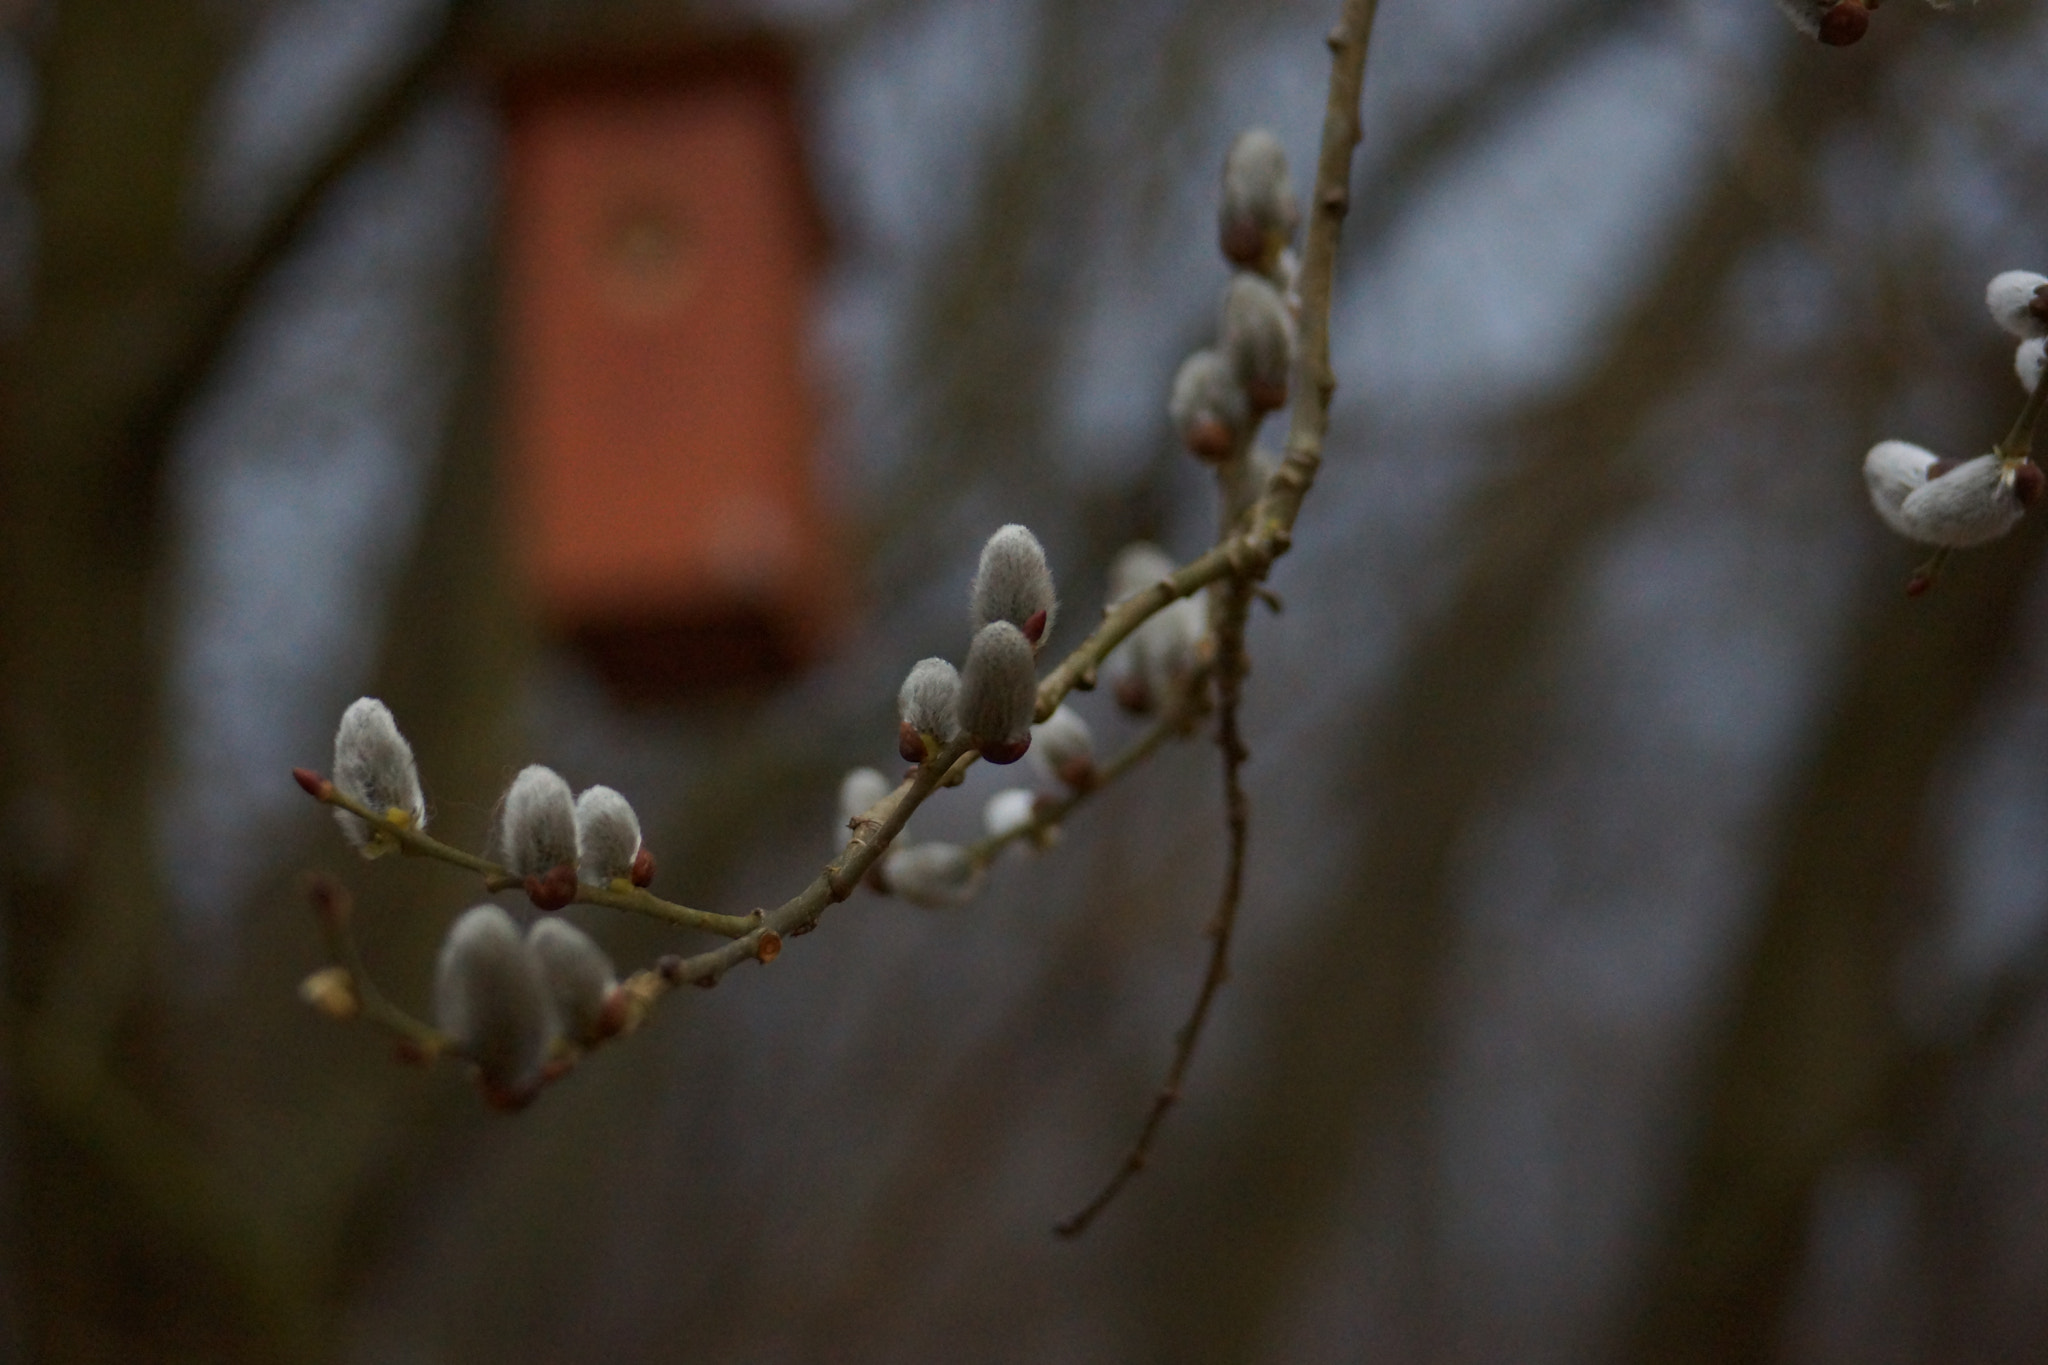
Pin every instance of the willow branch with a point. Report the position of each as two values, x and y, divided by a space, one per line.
334 909
412 840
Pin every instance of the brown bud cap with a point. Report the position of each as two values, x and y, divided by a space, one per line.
1941 467
1846 22
332 991
314 785
1078 773
643 867
2027 483
553 889
1034 627
1133 695
1008 751
909 743
1919 583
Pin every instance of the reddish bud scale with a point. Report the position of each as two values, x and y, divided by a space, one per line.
314 785
643 868
2027 483
1940 467
1133 695
504 1100
1918 584
553 889
1078 773
1008 752
1034 626
1208 439
1844 24
1266 397
1243 241
670 968
616 1014
2038 305
909 743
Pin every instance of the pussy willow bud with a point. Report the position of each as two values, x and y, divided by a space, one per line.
859 790
1014 584
607 836
2018 303
999 692
936 876
1258 212
374 765
1208 406
1155 661
2028 360
1008 811
928 704
1062 746
1258 340
1837 23
1976 501
537 836
1893 471
579 978
489 997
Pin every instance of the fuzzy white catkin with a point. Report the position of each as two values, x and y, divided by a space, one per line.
537 826
937 876
374 765
607 836
1062 743
858 791
1014 583
1258 338
2010 300
929 700
1208 406
578 975
1159 655
1969 505
1893 470
999 685
2028 360
1008 811
489 997
1258 209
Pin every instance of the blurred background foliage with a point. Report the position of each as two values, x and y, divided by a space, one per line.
1645 950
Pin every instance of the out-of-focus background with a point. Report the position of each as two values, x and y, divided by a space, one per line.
1644 956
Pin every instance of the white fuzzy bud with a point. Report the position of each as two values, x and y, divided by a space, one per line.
2028 360
607 836
1837 23
1008 811
1976 501
1154 661
537 825
1014 583
1137 567
1258 212
936 876
1208 407
489 998
1063 747
2017 304
929 700
1893 471
858 791
374 765
1258 340
999 692
578 976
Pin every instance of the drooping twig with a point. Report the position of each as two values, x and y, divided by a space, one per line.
619 897
333 908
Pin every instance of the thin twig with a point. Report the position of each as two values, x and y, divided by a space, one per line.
334 909
412 840
1314 383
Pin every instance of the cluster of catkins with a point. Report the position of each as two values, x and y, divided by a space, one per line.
992 699
1954 504
516 1005
1837 23
1222 391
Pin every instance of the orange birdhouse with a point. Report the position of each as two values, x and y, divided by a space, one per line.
662 248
